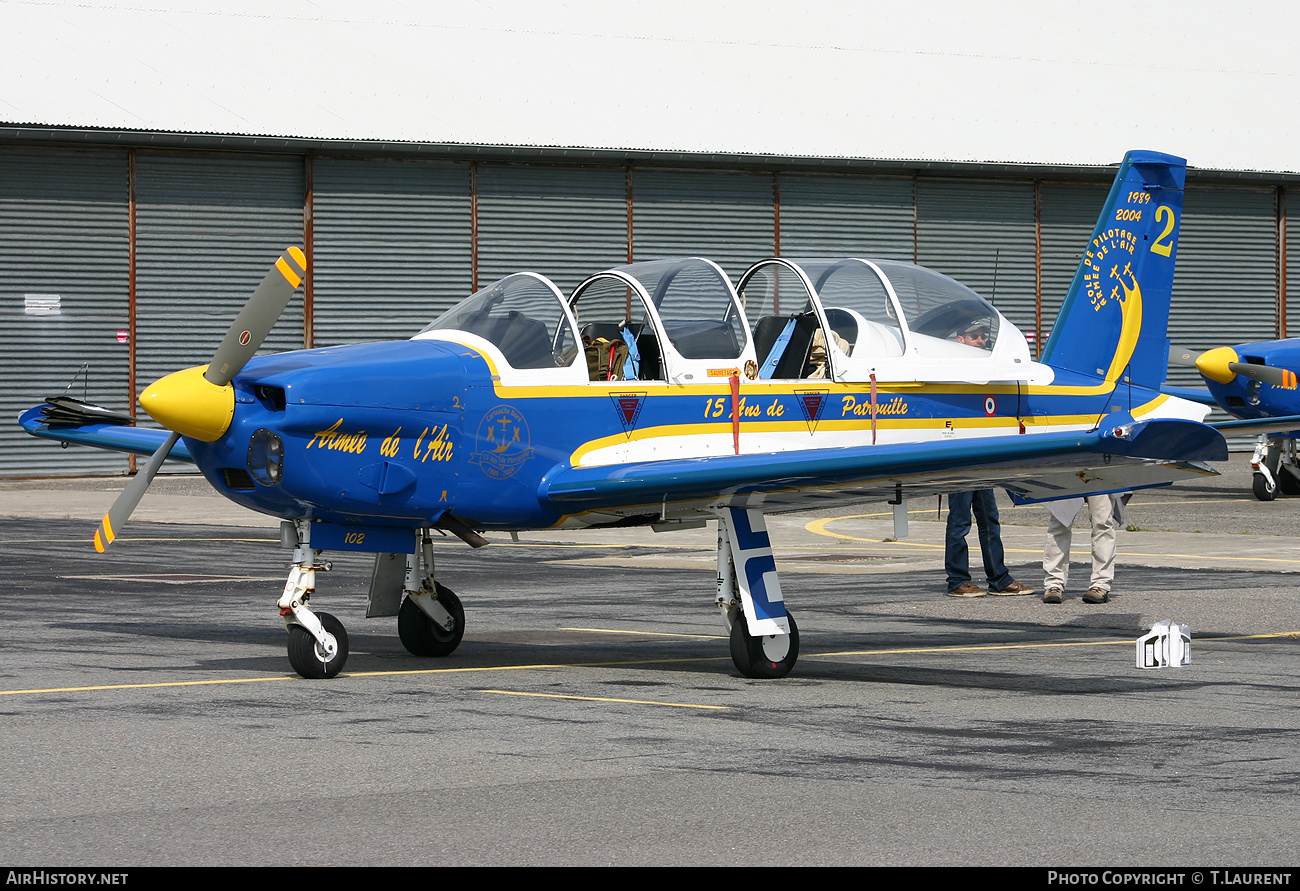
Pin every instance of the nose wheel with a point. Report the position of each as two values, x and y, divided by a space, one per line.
769 656
313 659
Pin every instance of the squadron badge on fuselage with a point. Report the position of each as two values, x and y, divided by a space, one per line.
504 442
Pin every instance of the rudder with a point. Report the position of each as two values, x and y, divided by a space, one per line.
1114 322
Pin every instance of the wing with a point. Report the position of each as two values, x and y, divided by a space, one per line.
49 422
1120 454
1282 424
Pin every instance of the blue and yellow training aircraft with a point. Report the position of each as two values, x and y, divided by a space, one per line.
1255 382
658 394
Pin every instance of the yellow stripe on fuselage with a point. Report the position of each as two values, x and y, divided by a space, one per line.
854 424
832 390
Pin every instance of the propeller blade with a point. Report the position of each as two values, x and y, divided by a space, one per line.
122 508
257 317
1179 355
1278 377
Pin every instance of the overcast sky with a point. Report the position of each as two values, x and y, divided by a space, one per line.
1054 82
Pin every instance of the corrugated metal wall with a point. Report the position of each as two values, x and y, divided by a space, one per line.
64 285
393 243
847 216
563 222
1227 271
1226 283
1290 249
981 233
208 228
727 217
1068 214
390 246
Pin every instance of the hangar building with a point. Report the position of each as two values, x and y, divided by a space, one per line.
155 158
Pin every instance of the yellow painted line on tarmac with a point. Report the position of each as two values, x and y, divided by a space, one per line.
899 651
99 687
651 633
818 527
1124 553
293 677
606 699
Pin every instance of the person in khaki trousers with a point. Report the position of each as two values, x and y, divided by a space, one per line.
1103 513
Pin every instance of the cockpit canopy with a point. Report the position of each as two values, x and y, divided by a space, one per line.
850 318
659 320
521 315
681 320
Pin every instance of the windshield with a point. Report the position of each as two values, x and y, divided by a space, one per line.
523 315
941 307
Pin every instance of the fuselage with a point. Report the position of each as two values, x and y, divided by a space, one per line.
657 361
402 433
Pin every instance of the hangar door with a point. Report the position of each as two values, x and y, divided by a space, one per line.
565 222
208 228
724 216
63 296
1225 285
391 246
846 216
982 234
1291 244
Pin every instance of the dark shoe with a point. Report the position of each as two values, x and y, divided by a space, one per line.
967 590
1096 595
1053 595
1012 589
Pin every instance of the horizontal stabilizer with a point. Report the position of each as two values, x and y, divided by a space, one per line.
1160 437
65 411
112 436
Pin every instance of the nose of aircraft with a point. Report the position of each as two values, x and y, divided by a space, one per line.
186 402
1214 364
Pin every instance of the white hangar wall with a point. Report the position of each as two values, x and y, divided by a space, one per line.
165 246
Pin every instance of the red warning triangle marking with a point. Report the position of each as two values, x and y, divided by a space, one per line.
628 407
811 403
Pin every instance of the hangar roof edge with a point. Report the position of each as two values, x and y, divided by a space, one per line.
35 134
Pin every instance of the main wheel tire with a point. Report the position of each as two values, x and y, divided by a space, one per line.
1264 490
1287 483
307 659
421 636
747 651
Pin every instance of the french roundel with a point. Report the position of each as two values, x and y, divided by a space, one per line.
990 406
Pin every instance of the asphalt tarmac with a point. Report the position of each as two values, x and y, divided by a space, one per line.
148 715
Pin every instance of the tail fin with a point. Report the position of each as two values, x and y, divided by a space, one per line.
1115 319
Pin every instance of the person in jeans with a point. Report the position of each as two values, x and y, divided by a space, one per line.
956 557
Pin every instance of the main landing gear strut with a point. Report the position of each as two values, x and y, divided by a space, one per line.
430 618
764 637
